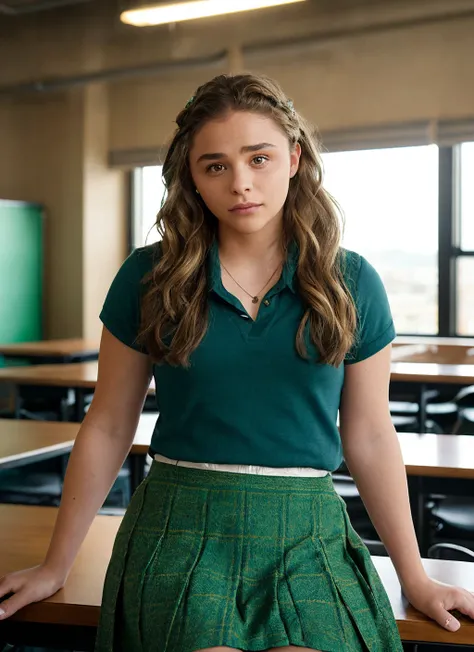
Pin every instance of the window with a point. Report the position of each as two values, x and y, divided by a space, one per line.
465 295
389 198
467 196
148 193
465 259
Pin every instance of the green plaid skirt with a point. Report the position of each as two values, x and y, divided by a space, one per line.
210 558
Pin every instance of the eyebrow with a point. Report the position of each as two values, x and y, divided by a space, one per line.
248 148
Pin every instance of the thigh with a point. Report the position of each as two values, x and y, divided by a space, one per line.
291 648
219 649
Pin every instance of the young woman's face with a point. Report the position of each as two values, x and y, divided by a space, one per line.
241 165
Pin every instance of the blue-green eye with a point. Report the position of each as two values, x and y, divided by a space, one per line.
212 168
260 160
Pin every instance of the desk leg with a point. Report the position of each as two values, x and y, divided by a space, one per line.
422 407
137 471
79 409
418 511
50 635
17 402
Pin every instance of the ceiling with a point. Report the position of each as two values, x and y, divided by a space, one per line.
21 7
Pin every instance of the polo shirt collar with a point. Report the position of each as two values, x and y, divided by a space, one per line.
287 278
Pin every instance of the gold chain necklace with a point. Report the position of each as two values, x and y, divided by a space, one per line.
255 298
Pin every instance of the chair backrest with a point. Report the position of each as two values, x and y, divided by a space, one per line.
465 397
375 547
450 551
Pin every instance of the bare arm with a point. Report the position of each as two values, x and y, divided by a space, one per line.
374 458
101 446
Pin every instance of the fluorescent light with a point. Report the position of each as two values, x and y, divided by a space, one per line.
174 12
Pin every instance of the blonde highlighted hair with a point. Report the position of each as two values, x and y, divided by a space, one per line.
174 311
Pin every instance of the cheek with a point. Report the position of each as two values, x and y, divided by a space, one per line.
279 183
215 196
212 192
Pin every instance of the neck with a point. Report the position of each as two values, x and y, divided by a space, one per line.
251 248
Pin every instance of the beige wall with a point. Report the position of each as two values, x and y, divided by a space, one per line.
54 147
40 161
418 73
103 220
54 151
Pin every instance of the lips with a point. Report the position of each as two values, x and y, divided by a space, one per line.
244 207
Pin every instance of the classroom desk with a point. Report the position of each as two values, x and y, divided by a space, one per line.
435 374
403 340
434 353
52 351
425 455
437 350
71 615
81 377
436 464
438 456
441 464
421 377
23 442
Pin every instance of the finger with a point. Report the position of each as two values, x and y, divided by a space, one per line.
465 604
7 585
13 604
445 619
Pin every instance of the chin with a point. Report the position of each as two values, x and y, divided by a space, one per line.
249 225
249 229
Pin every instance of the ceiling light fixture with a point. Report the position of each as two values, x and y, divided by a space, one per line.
162 13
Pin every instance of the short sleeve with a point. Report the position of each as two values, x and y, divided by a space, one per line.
375 328
120 313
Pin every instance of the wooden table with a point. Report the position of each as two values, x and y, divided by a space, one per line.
23 442
426 455
441 355
436 464
433 373
438 456
418 378
404 340
434 350
52 351
81 377
414 626
71 615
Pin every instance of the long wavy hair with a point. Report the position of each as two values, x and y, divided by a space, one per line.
174 310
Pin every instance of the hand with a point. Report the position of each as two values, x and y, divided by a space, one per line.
436 600
30 585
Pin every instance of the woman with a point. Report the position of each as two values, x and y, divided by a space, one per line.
258 328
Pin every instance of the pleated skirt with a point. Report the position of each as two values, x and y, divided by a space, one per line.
210 558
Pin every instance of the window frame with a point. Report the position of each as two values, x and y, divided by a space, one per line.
456 251
449 233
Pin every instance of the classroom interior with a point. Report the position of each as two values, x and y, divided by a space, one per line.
87 108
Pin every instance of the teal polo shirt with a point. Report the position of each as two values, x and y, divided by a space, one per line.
248 397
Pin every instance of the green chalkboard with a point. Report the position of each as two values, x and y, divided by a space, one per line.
21 272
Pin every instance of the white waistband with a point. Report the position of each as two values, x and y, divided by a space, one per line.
302 472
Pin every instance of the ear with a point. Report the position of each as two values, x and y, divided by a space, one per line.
295 156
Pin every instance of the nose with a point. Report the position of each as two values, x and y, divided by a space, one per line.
241 180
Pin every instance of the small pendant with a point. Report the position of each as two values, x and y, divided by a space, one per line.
255 300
